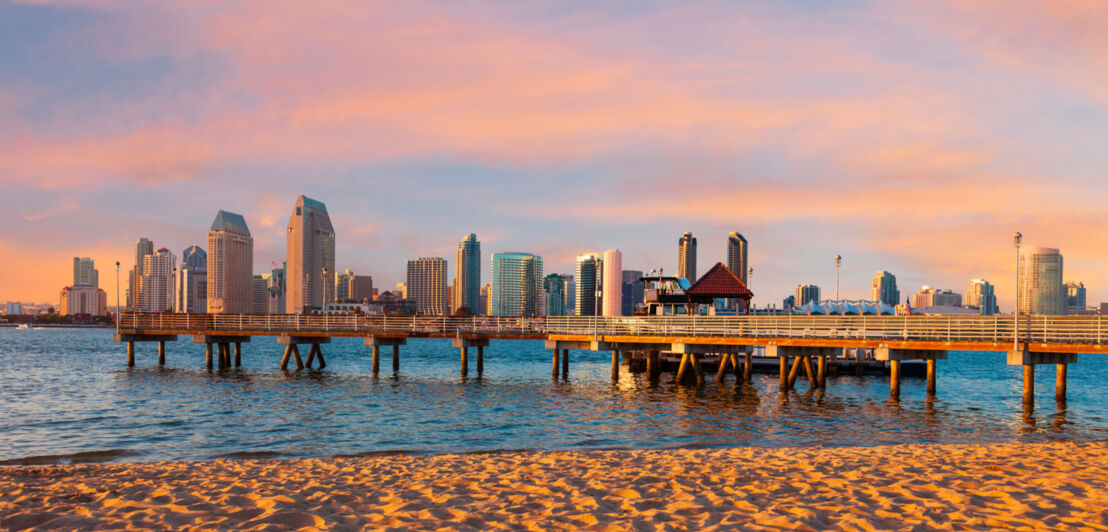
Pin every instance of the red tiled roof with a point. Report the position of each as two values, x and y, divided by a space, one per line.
720 281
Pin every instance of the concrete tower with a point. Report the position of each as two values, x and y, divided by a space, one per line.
310 264
611 302
230 274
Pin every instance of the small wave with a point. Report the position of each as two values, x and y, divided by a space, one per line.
387 452
89 457
248 455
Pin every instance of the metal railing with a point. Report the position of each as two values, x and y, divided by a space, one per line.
975 329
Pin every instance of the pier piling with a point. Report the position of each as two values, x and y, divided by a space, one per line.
284 359
465 360
748 367
812 382
555 362
894 379
615 364
480 359
821 373
376 350
1060 384
783 369
161 352
396 359
238 354
208 354
1028 384
565 364
931 370
653 365
793 373
724 363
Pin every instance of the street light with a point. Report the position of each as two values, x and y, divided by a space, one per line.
838 262
117 297
1018 238
749 277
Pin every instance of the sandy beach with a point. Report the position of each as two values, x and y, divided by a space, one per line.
909 487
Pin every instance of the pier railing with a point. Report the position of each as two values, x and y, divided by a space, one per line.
978 329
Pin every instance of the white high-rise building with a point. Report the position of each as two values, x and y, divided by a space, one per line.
981 295
84 272
143 248
427 285
588 277
516 288
156 287
310 265
1041 289
611 284
230 274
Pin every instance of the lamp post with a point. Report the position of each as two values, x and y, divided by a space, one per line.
117 307
1018 238
749 278
323 291
838 263
596 311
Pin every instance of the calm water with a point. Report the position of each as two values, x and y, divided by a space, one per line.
67 392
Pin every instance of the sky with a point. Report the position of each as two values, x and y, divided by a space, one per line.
913 137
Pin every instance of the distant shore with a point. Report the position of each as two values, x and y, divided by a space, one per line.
1029 486
58 326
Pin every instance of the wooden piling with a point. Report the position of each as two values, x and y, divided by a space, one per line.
480 359
226 348
653 368
1060 384
465 361
565 363
238 354
859 361
396 359
296 357
793 372
724 363
615 364
208 354
376 356
694 361
130 354
783 369
161 352
311 354
555 362
284 359
319 354
1028 384
894 379
681 368
812 382
932 367
748 366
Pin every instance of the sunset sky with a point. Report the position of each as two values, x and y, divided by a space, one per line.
915 137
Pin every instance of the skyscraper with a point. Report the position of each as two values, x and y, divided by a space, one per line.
1075 297
611 285
981 295
686 257
467 275
310 261
230 265
427 285
259 288
737 260
143 248
927 296
588 280
516 285
192 281
361 288
342 285
156 282
84 272
1041 290
633 291
806 293
554 286
883 288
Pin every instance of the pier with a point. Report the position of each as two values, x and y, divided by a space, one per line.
802 345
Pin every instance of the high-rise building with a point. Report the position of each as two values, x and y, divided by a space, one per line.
571 295
516 285
485 299
259 289
611 285
143 248
192 281
310 265
806 293
588 278
402 289
361 288
1075 297
467 275
883 288
686 257
1041 290
155 286
554 286
927 296
84 272
275 291
788 303
737 261
981 295
230 265
633 291
342 285
83 299
427 285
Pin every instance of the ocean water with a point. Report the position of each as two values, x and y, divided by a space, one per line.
68 396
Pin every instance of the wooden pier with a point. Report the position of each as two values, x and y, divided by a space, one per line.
803 345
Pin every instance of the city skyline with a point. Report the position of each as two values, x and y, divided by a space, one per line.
889 159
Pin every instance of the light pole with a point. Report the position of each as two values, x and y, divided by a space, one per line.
838 262
596 311
323 291
1018 238
749 279
117 297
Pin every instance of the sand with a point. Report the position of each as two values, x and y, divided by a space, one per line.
909 487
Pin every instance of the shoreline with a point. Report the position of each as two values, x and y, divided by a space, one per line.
935 486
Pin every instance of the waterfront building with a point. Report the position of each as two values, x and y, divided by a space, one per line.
737 260
259 289
14 309
981 295
805 294
155 286
686 257
402 290
633 291
484 303
192 281
588 278
554 288
230 265
927 296
427 285
517 286
1075 298
82 299
310 259
84 272
275 291
361 288
342 286
143 247
883 289
467 276
788 303
1041 290
571 295
611 285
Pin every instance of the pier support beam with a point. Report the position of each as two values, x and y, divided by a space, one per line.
222 347
728 356
464 343
1029 360
238 354
130 354
821 371
783 370
801 353
653 364
208 355
480 359
894 356
748 366
931 370
161 352
894 379
131 338
396 358
375 342
565 364
294 342
555 362
615 364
